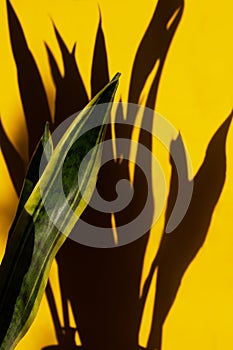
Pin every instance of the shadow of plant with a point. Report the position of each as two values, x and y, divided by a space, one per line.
103 285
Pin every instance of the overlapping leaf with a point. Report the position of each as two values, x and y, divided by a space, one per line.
35 237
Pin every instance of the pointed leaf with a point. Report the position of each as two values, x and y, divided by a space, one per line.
32 175
37 235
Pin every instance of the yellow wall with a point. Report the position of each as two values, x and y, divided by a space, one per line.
195 94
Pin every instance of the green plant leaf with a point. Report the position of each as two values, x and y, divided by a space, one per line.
32 175
37 235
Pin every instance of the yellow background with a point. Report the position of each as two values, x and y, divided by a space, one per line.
195 94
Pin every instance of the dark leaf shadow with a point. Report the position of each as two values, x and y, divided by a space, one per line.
154 45
66 335
178 248
71 94
99 73
152 50
14 161
32 92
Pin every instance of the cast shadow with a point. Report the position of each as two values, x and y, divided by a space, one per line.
105 297
15 164
32 92
178 248
103 285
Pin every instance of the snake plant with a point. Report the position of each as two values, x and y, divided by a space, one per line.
34 237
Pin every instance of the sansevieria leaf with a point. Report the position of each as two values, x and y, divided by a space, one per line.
46 219
32 175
